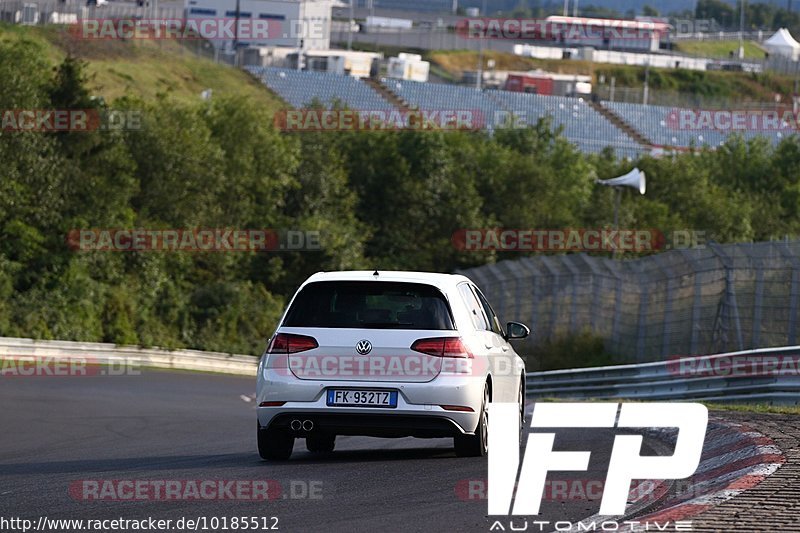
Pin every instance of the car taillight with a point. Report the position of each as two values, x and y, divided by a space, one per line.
442 347
291 343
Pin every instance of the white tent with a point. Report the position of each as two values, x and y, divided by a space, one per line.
783 44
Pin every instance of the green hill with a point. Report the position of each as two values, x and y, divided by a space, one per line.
144 68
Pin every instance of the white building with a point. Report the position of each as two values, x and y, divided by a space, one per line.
353 63
408 67
606 34
298 24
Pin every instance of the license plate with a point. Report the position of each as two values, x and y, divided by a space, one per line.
361 398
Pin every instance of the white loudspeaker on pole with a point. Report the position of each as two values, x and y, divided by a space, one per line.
635 178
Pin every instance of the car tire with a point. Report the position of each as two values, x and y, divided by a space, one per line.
274 444
322 443
476 445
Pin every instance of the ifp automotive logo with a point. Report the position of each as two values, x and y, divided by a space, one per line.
517 489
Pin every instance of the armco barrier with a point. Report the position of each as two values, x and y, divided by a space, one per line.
647 381
662 381
13 348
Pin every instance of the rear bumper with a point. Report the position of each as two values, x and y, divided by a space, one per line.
419 411
371 425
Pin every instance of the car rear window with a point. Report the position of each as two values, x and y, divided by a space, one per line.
369 304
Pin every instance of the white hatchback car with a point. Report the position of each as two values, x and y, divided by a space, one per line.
386 354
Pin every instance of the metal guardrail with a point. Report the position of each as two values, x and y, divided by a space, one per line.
101 353
711 378
648 381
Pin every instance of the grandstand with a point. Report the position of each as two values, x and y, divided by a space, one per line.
582 123
300 88
660 125
421 95
584 126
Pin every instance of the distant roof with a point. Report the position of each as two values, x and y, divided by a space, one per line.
615 23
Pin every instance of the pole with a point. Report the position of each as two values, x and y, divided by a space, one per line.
236 36
300 37
350 26
575 8
617 197
479 81
566 8
741 29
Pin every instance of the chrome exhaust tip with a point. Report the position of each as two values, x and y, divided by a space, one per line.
308 425
296 425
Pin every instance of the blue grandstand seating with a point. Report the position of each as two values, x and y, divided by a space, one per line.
582 125
299 88
661 125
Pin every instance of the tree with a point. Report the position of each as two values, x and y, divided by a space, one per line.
649 11
718 10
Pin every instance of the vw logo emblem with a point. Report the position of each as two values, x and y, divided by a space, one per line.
364 347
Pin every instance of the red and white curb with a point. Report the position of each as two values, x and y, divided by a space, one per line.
735 458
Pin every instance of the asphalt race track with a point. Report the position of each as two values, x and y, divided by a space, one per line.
58 431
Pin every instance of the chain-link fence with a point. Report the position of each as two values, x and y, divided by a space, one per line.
44 12
715 299
635 95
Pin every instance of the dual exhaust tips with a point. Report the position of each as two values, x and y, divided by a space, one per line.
305 425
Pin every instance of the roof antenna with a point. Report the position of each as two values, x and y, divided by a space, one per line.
375 273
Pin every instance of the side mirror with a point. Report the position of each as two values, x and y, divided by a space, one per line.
517 330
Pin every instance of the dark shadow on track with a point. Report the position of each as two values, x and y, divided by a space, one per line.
178 462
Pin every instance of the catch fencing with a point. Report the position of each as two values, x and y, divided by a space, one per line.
713 299
43 12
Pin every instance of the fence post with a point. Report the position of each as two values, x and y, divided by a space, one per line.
613 266
794 292
574 273
554 305
758 298
730 290
696 304
596 294
535 279
641 328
